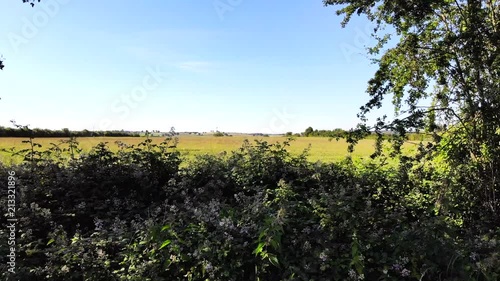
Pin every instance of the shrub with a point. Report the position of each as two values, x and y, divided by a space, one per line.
257 213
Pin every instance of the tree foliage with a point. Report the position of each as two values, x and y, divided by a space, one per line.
447 53
32 3
336 133
24 132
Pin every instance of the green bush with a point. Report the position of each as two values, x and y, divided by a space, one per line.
259 213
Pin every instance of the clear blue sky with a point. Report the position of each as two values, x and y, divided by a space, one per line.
237 66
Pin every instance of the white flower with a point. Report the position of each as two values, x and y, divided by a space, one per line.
352 274
208 267
98 224
397 267
226 223
323 256
404 260
81 205
405 273
100 253
306 230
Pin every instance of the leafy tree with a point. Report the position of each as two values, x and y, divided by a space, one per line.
447 53
219 134
308 131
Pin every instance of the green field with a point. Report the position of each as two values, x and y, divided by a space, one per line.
321 148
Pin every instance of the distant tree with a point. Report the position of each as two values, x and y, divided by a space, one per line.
308 131
66 132
218 134
337 133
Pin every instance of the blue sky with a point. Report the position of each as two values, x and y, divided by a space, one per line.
232 65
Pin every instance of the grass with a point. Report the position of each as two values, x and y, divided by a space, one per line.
190 145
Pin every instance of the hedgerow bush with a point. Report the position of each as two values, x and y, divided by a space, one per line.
258 213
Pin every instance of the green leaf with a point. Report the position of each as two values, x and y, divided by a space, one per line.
51 241
165 244
259 248
274 260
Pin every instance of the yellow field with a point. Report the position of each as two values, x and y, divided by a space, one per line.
190 145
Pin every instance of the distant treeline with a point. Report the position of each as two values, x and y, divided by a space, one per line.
63 133
310 132
339 133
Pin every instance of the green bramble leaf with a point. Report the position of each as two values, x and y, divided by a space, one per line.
165 244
